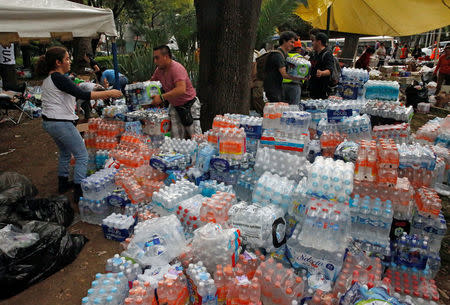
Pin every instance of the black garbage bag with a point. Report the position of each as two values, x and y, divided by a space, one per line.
13 187
54 209
33 261
416 94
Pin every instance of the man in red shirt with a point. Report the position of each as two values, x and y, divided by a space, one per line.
443 67
184 109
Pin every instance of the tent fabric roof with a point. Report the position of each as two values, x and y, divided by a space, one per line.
35 19
377 17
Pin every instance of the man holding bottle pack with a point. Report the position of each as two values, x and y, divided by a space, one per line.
184 108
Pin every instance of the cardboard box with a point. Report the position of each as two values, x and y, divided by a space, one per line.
82 127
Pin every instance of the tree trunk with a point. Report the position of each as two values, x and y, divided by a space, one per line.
349 49
81 46
227 35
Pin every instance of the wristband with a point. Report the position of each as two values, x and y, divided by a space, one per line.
162 98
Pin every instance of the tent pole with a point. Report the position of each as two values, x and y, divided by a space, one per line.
116 63
328 21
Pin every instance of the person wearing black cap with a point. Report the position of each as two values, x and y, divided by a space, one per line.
321 67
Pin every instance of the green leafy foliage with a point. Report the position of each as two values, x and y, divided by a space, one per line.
273 13
137 66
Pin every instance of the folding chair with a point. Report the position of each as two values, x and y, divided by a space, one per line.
15 102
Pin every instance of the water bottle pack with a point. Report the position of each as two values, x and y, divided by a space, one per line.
330 179
433 228
354 75
293 143
328 223
235 287
181 146
401 195
156 241
329 141
428 202
388 110
245 185
131 156
424 291
141 93
225 121
371 220
381 90
215 209
295 122
204 155
317 109
293 167
119 264
387 161
118 227
169 196
278 284
114 110
140 293
338 110
210 187
253 131
397 132
411 251
357 127
108 289
273 189
94 211
107 128
170 161
132 188
377 163
231 142
157 120
260 227
213 245
133 139
173 289
359 268
416 155
272 114
201 286
188 212
324 221
98 185
300 66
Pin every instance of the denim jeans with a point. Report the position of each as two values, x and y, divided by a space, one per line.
69 142
292 93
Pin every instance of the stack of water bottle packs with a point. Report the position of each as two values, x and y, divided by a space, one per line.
260 211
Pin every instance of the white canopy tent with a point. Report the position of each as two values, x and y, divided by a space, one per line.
25 20
22 21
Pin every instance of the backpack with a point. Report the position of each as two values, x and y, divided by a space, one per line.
261 63
335 73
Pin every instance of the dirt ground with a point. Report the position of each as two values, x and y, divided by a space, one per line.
28 149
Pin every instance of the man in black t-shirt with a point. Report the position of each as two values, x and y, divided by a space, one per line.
93 64
276 68
321 67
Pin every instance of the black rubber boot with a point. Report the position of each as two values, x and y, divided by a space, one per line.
77 192
64 184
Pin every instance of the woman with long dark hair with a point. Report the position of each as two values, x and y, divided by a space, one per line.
59 96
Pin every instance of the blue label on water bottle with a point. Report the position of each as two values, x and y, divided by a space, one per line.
220 165
335 116
158 164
